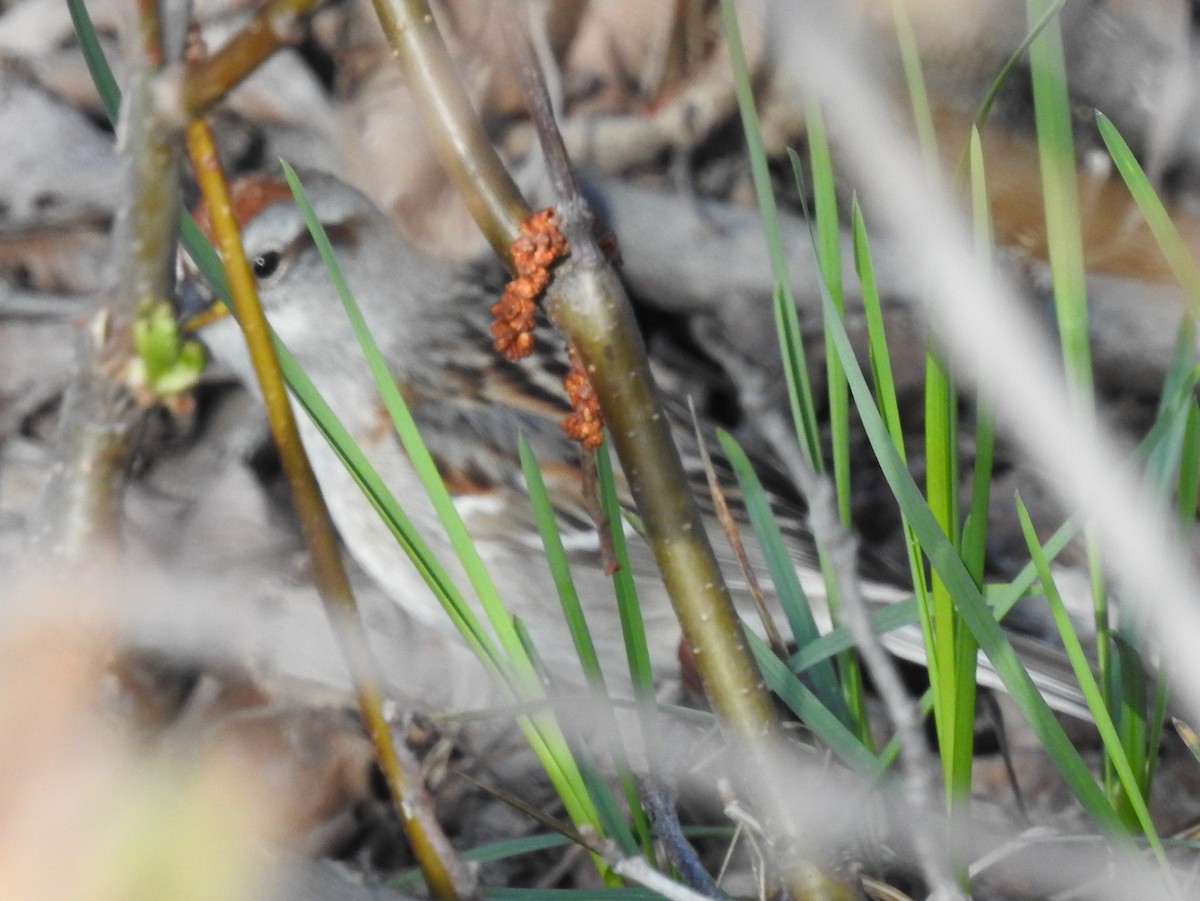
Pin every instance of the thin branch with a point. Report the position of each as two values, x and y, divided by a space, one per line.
588 302
206 81
451 123
79 513
447 877
573 210
734 537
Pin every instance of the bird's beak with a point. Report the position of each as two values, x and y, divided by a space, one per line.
196 306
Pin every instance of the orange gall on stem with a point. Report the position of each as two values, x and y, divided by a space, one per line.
584 423
539 246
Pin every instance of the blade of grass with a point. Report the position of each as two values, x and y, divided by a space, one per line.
788 588
811 711
633 630
632 627
93 56
973 540
993 91
1179 257
885 392
1173 468
954 709
541 730
1189 468
951 648
560 570
829 260
799 387
974 537
1060 190
884 620
914 78
606 805
420 457
1064 239
1091 690
556 557
879 354
968 597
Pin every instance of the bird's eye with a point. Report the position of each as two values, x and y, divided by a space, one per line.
265 264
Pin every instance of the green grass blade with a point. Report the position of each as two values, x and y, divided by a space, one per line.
556 557
827 245
632 627
811 711
1183 374
914 78
993 91
1188 492
839 640
634 631
952 654
388 507
197 245
974 537
951 649
1113 744
885 393
611 817
829 260
1179 256
541 731
419 455
502 850
1060 190
787 322
879 354
93 56
779 561
969 599
1177 404
1007 596
560 570
1064 243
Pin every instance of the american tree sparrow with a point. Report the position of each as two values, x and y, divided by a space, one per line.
432 323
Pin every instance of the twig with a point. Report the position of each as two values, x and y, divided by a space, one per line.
458 137
729 525
660 804
78 514
206 81
573 211
588 302
447 877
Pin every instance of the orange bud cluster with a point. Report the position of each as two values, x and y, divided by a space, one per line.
539 247
584 423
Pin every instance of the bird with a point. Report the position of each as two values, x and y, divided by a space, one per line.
432 322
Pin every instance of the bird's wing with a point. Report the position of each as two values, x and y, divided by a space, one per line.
481 400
